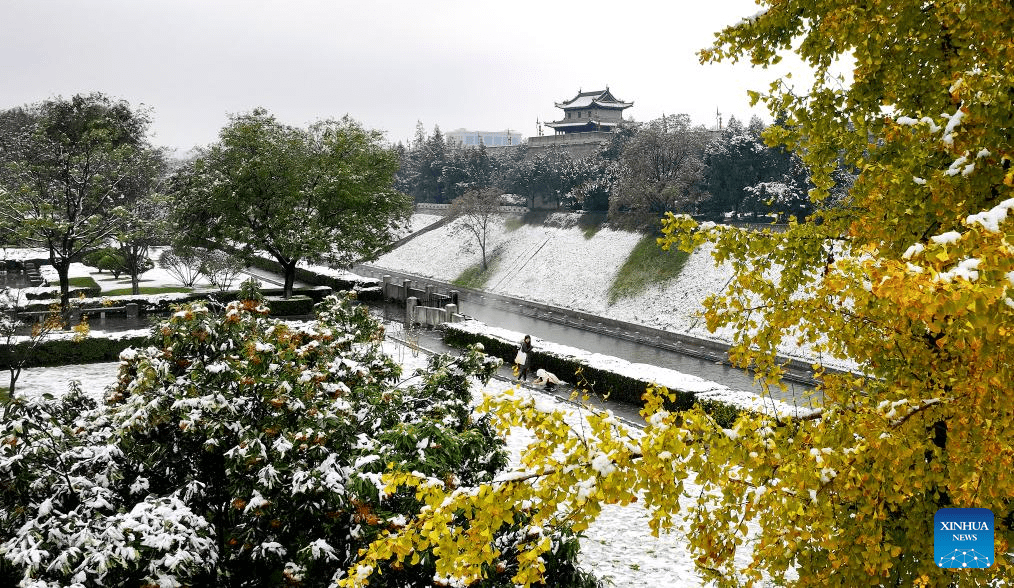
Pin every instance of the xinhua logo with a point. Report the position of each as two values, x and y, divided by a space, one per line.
963 537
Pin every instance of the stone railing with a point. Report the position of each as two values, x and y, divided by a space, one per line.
430 316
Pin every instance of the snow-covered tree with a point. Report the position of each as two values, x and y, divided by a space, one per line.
909 276
70 166
238 450
322 194
661 169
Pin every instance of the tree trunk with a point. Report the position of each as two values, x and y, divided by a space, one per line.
15 374
63 270
290 278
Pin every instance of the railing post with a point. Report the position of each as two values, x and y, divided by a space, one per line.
410 305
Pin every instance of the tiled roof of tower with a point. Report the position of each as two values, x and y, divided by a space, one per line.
600 98
583 123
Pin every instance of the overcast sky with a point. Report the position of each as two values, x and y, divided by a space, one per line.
457 64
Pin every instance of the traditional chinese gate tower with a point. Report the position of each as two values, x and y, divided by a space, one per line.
597 111
588 120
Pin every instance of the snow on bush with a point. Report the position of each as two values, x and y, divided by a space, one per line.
241 450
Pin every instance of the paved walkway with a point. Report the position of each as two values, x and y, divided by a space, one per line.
430 345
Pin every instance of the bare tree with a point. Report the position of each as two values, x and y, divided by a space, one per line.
220 268
477 210
15 350
182 263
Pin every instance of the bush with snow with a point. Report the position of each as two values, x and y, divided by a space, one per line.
241 450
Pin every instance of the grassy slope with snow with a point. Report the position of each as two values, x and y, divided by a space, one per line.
555 264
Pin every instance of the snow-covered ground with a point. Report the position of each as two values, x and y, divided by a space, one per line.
420 221
649 374
556 264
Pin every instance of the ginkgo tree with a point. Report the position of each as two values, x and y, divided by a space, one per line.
907 278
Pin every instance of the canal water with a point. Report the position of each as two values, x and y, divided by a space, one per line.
496 316
631 351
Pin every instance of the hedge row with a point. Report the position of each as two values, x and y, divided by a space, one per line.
55 352
336 283
162 303
600 381
297 305
74 291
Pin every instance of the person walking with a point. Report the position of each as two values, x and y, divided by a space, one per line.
524 358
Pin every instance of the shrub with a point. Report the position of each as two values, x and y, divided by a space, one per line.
182 264
52 352
296 305
221 268
240 450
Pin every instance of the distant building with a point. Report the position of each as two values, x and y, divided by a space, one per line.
589 112
467 138
589 118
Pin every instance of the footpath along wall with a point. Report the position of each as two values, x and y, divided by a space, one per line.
619 379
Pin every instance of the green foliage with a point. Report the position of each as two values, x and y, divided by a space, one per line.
73 164
663 166
87 290
250 289
63 351
365 289
239 450
131 259
86 284
593 380
476 277
909 274
322 194
645 266
106 258
295 305
591 223
148 290
512 223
